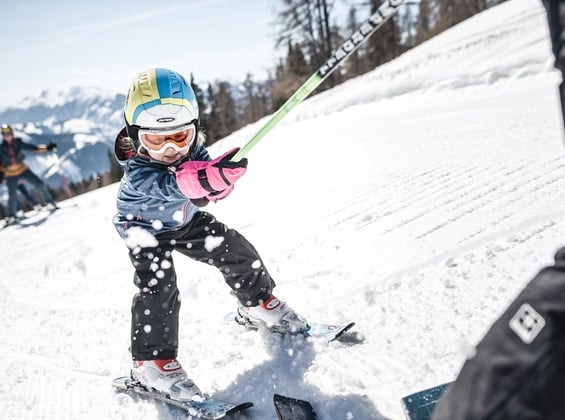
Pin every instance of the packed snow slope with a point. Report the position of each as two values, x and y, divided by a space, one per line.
416 200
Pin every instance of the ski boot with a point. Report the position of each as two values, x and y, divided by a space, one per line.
51 206
166 376
274 314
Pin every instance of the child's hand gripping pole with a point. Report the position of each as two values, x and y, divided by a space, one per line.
212 179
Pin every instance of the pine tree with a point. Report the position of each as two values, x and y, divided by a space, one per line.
222 118
354 65
290 76
384 45
257 101
202 104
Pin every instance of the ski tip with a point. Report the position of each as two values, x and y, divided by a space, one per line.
289 408
347 327
279 397
420 405
240 407
340 335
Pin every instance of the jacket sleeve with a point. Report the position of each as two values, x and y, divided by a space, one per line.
27 146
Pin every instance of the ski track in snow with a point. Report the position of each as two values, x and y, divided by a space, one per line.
416 200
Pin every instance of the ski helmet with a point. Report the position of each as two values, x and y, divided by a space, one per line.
159 98
6 129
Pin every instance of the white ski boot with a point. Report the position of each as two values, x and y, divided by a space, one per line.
166 376
274 314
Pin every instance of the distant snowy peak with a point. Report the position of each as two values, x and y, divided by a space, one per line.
50 110
51 98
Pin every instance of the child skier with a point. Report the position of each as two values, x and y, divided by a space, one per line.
166 171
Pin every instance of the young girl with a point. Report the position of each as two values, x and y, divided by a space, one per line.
168 175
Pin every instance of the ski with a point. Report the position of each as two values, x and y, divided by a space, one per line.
200 407
329 332
288 408
420 405
28 220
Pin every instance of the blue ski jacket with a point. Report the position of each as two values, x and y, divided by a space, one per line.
148 196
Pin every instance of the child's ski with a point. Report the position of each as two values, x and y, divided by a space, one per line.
200 407
330 332
288 408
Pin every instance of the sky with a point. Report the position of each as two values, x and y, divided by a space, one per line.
104 43
447 198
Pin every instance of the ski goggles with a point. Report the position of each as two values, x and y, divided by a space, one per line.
158 140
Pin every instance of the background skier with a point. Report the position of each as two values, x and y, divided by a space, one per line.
12 162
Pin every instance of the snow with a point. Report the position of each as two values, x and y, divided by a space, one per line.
416 200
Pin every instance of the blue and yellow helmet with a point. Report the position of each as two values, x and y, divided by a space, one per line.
159 98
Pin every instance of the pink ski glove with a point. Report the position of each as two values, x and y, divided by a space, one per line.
213 180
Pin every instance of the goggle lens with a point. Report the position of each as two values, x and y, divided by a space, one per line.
160 140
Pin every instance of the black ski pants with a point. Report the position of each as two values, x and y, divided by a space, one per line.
155 308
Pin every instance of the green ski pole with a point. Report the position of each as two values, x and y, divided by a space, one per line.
368 28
